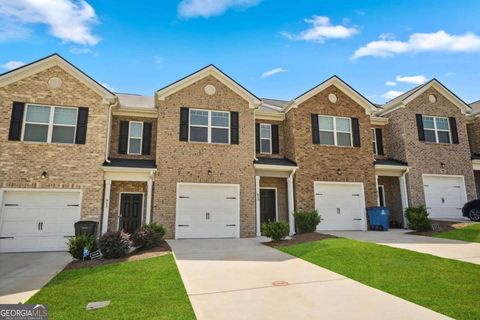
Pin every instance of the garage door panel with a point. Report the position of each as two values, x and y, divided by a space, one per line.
444 196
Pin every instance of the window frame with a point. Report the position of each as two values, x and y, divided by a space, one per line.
129 137
51 124
436 130
335 131
382 198
269 125
209 126
374 141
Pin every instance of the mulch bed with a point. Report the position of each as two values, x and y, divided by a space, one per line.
139 254
441 226
300 238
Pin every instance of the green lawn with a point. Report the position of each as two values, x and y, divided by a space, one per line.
470 233
145 289
447 286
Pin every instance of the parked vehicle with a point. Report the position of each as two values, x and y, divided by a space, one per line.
471 210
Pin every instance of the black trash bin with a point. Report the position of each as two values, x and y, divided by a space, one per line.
86 228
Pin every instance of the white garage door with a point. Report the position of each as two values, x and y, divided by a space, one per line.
340 205
38 220
444 196
207 211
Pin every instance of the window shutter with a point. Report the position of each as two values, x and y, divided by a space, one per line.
82 121
146 138
379 138
257 137
356 132
123 137
453 129
15 132
315 129
421 132
275 145
184 115
234 127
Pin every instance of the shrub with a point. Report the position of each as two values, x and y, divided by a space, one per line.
417 218
76 245
158 228
276 230
114 244
146 237
306 221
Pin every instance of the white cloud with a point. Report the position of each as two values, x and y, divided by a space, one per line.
391 83
272 72
210 8
10 65
392 94
68 20
109 87
321 29
418 80
80 50
420 42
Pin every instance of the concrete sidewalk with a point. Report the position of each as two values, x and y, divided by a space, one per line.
23 274
243 279
445 248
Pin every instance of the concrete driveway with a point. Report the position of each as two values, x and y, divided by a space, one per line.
243 279
23 274
446 248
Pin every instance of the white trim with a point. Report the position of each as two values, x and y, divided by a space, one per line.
120 206
274 167
436 130
335 131
273 116
378 121
129 137
362 198
135 112
464 200
291 203
209 126
374 140
381 186
257 206
269 125
213 71
106 205
276 200
476 164
237 187
148 214
341 85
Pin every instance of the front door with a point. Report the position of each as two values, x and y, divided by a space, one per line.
268 205
130 211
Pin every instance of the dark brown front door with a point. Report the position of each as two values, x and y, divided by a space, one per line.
130 211
268 205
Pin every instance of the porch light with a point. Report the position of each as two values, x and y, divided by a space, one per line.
44 175
209 172
442 165
339 172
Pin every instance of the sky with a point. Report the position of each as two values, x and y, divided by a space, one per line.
276 49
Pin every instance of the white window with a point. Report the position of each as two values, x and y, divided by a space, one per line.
50 124
335 131
437 129
209 126
265 138
374 141
135 134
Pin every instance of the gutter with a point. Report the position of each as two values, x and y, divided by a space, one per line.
109 123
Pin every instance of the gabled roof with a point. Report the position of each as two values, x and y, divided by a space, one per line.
341 85
218 74
48 62
402 100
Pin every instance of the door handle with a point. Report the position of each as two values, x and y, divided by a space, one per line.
338 210
38 226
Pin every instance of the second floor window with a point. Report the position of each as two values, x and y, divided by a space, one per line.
437 129
135 134
335 131
50 124
209 126
374 141
265 138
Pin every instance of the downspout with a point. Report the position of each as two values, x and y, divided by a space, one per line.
109 122
405 191
254 134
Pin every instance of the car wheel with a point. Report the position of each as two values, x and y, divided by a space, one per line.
474 214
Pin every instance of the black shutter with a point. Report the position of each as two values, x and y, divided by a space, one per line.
379 139
184 115
146 138
421 132
257 137
234 127
123 137
315 129
356 132
15 132
275 145
82 121
453 129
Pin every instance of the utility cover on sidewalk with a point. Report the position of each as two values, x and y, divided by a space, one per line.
97 305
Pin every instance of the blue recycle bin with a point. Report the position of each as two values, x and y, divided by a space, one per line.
378 218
